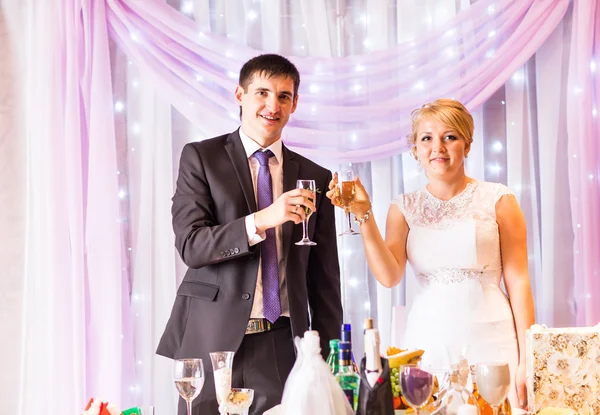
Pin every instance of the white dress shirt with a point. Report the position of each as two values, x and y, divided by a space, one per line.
276 169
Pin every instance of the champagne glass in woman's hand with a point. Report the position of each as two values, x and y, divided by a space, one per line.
346 191
189 380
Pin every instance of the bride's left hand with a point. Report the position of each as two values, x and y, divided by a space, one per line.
520 383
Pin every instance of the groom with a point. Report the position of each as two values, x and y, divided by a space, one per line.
236 215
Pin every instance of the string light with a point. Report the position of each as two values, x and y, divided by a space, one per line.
503 102
252 15
357 87
313 89
199 78
517 76
119 106
593 66
136 128
594 112
353 282
419 85
450 33
360 68
495 168
497 146
134 36
490 53
187 7
135 84
122 194
591 176
491 9
367 305
577 90
492 33
232 74
118 172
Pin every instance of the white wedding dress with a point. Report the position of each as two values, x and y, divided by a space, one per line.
453 248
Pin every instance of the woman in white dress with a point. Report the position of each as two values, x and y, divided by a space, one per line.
461 237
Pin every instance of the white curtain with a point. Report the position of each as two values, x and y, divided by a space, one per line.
520 140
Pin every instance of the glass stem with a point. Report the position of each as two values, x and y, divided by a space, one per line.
494 409
305 229
189 407
349 222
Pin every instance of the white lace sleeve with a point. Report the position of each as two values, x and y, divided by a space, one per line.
500 191
399 201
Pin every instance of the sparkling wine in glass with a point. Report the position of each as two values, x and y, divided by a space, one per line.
189 380
308 185
344 192
493 382
222 364
416 386
239 400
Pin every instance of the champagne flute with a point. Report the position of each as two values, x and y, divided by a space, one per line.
189 379
416 386
308 185
222 364
493 382
344 192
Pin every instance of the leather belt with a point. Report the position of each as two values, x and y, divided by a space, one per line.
260 325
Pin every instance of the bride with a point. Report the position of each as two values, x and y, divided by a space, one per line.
462 237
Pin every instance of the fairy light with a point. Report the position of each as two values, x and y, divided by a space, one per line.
360 68
491 9
367 305
419 85
492 34
136 128
187 7
353 282
594 112
497 146
252 15
119 106
593 66
122 194
313 89
517 77
490 53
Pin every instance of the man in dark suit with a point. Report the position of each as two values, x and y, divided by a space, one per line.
236 216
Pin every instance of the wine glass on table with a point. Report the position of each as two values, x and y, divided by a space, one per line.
416 386
493 382
308 185
344 192
222 364
189 380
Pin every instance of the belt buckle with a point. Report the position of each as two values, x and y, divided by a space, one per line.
257 325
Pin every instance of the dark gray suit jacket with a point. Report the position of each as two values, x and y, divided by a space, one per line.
214 195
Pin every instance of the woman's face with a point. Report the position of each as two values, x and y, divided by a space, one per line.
440 149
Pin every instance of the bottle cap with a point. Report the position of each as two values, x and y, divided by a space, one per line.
333 343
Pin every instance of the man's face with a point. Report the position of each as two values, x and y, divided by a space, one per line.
266 107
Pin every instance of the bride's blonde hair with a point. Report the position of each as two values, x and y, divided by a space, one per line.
447 111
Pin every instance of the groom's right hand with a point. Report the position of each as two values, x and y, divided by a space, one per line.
288 206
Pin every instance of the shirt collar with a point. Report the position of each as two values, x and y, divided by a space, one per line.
250 146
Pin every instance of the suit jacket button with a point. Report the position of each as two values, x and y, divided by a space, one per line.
245 296
236 251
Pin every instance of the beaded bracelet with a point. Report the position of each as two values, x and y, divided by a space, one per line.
365 217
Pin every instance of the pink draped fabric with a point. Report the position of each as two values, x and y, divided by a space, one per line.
583 126
196 71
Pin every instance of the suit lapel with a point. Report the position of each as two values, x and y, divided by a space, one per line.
290 176
237 154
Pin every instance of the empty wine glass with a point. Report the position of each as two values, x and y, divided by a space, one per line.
189 379
493 382
222 364
239 400
344 192
308 185
416 386
457 354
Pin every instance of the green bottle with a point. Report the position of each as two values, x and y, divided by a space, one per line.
347 378
332 359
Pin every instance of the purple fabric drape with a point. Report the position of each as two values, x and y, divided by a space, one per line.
583 126
195 72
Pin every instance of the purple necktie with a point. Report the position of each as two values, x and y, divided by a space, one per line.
268 249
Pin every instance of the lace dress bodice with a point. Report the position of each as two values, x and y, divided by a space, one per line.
455 239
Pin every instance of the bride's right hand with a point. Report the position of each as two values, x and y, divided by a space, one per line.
361 203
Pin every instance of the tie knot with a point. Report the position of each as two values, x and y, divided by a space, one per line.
263 156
